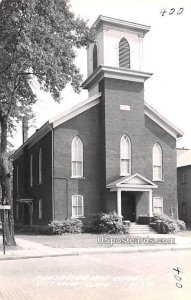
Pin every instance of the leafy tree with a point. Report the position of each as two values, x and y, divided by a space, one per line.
38 39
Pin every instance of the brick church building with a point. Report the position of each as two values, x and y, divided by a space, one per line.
110 152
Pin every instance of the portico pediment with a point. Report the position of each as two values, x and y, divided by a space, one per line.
132 181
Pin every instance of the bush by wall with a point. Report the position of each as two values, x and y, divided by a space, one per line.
66 226
170 225
105 223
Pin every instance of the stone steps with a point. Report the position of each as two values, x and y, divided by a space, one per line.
136 229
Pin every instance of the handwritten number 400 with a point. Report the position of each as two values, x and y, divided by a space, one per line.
178 278
172 11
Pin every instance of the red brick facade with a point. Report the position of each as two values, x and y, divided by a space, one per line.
100 127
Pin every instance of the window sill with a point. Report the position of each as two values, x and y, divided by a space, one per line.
123 175
158 180
73 177
77 217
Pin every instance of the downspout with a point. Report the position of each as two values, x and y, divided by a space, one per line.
53 206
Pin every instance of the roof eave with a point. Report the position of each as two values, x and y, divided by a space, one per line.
162 121
139 28
42 131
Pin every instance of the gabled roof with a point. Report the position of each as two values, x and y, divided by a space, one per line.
135 180
56 121
83 106
75 110
154 115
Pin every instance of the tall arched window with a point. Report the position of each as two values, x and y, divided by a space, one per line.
77 157
94 57
157 162
40 166
31 170
125 156
124 54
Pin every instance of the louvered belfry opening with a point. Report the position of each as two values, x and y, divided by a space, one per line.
124 54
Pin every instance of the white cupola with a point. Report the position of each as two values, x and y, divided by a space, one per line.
117 51
117 44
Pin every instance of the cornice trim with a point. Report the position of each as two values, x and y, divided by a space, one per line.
115 73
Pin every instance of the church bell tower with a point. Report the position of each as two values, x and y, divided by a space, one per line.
117 51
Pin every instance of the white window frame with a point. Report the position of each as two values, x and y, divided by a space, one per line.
157 162
31 170
76 199
77 158
125 155
40 166
40 209
157 206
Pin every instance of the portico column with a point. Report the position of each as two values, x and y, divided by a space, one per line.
119 202
150 203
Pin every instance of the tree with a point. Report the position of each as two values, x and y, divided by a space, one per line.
38 39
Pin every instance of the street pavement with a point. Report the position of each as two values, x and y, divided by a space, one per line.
132 276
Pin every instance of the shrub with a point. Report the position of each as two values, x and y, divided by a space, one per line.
105 223
66 226
181 224
170 225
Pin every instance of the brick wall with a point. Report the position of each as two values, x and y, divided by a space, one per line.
143 133
119 122
37 191
168 187
87 126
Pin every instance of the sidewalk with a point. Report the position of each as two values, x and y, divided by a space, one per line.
29 249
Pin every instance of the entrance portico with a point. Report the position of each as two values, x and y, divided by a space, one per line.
134 184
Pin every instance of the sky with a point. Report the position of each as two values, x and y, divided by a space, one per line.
167 49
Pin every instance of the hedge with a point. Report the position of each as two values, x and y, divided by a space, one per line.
170 225
105 223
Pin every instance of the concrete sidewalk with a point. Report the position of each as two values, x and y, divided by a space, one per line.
28 249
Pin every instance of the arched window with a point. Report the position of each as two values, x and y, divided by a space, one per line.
94 57
157 162
125 156
40 166
31 170
77 157
124 54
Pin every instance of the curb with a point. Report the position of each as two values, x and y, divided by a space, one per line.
83 251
